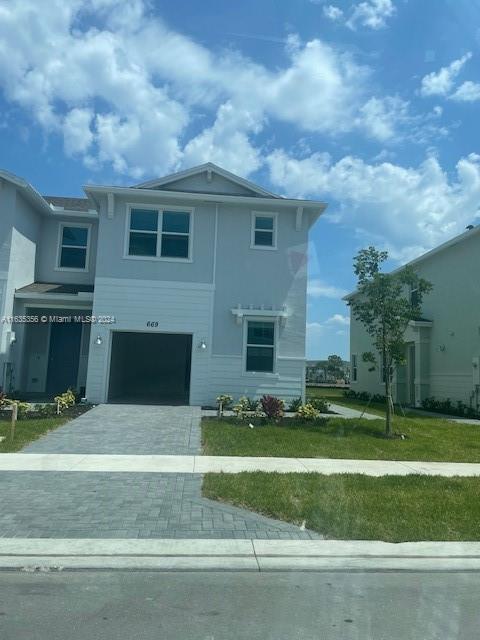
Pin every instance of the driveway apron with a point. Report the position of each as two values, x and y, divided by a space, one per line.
126 505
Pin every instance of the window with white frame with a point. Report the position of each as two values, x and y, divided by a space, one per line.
354 368
159 233
260 348
414 297
73 249
264 231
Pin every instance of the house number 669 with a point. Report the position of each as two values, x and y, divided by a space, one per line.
152 323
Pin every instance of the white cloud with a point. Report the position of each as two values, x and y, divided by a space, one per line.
319 289
226 142
440 83
383 117
77 133
332 12
338 319
467 92
371 13
407 209
123 92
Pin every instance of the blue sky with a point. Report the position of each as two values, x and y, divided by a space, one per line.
370 105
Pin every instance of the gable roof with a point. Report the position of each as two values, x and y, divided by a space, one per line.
205 168
469 233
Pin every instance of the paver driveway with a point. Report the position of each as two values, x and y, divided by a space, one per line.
125 505
127 429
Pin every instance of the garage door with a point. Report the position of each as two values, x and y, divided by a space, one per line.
151 368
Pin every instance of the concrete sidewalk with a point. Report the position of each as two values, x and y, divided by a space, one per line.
227 464
30 554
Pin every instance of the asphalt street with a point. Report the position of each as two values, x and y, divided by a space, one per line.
119 605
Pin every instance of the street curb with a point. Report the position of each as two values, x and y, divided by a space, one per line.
46 555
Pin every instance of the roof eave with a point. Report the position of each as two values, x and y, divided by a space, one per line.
96 190
29 192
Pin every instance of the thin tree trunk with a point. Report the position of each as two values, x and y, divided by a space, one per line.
388 393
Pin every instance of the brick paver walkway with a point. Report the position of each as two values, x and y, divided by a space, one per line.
125 505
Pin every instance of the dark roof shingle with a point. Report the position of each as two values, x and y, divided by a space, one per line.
72 204
54 287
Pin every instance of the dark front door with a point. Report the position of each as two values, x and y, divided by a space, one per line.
63 357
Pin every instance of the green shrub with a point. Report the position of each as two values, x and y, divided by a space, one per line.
248 408
308 412
22 407
224 400
44 410
321 405
295 405
446 406
242 407
65 400
252 404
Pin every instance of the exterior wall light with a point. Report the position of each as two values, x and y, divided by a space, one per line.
202 345
98 340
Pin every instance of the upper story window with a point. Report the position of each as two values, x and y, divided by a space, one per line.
260 354
354 368
414 297
159 233
73 246
264 230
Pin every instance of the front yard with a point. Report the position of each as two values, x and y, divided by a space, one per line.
358 507
29 429
425 439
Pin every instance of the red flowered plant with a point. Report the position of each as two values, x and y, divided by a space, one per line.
272 407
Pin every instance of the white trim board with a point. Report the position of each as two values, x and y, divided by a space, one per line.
166 284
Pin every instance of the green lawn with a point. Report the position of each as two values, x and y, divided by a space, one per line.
357 507
26 431
336 396
426 439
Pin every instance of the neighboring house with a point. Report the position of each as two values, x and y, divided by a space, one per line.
443 346
196 283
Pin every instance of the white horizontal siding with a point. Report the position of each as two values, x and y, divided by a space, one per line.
456 386
177 309
228 376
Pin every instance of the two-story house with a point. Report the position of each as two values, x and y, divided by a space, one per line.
171 291
442 357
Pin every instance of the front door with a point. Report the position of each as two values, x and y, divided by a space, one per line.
63 359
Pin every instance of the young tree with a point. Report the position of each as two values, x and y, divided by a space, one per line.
384 305
335 366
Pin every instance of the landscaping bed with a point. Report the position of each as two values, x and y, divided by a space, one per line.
425 439
358 507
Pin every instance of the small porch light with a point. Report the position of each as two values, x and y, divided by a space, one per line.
98 340
202 345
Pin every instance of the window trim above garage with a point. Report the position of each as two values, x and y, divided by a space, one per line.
159 232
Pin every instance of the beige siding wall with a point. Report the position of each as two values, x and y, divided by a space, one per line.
454 338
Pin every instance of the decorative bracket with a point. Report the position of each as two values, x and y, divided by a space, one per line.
298 219
110 205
